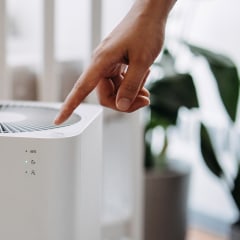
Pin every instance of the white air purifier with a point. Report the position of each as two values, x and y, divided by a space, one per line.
50 176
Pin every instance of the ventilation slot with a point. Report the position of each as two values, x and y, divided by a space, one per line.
24 118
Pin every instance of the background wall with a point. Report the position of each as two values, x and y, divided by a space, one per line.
212 24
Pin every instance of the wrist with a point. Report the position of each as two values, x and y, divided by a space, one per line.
157 8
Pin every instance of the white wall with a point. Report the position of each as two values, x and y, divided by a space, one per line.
113 12
216 25
209 23
72 26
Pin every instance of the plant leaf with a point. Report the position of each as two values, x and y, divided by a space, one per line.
236 189
169 94
208 153
226 75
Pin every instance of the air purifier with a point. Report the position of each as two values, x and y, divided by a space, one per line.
50 176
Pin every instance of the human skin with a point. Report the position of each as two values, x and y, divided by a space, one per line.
120 64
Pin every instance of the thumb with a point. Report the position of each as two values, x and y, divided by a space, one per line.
131 85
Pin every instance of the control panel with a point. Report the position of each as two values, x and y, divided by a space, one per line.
30 162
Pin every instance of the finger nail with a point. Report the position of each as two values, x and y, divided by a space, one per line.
57 120
123 104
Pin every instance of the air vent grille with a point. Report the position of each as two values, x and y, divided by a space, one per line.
24 118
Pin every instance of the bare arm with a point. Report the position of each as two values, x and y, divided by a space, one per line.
120 64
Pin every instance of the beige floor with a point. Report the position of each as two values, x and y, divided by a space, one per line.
195 234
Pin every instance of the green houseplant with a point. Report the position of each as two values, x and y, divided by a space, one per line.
166 183
168 93
227 81
174 90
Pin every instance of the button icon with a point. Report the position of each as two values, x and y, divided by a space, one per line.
33 162
33 172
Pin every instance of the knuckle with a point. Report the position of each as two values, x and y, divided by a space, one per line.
100 59
144 58
97 52
100 53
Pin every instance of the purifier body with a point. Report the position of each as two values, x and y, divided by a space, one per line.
51 180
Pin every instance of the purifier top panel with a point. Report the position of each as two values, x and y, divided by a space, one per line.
16 118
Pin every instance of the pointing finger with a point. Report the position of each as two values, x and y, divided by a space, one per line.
85 84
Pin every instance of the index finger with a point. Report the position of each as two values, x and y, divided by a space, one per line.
84 85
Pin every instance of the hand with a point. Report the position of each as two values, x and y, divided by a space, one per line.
120 64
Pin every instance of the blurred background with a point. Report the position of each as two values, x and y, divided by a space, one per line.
46 44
